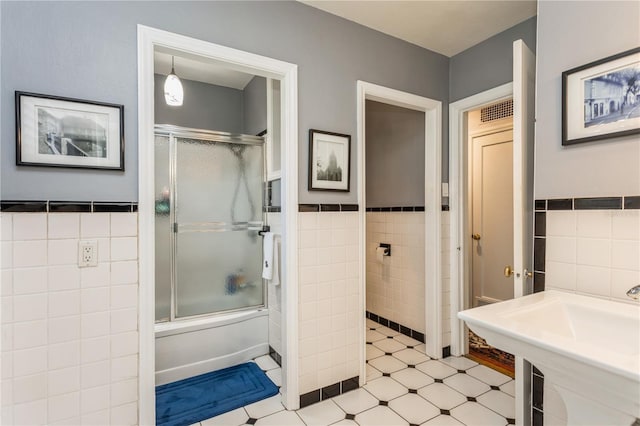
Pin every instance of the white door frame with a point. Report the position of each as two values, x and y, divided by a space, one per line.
458 204
433 162
148 39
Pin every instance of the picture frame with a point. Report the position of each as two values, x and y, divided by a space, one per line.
329 161
601 100
54 131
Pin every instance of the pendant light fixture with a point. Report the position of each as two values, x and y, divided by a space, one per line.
173 92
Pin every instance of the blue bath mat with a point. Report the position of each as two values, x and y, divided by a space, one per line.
198 398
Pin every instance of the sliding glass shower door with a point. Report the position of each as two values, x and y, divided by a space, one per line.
216 197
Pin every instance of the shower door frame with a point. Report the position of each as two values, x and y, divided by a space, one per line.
287 73
177 132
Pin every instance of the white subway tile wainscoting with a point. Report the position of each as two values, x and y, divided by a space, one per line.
589 246
593 252
395 287
69 334
328 279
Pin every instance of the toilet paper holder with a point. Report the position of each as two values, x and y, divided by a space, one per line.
387 249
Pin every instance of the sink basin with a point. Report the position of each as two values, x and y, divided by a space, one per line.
589 348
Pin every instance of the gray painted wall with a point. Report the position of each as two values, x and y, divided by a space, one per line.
205 106
255 106
484 66
601 168
88 50
395 156
488 64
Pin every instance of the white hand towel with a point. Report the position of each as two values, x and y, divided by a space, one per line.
267 255
275 277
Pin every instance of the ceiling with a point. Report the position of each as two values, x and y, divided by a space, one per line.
446 27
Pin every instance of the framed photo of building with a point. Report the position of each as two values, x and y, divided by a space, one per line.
601 100
63 132
329 155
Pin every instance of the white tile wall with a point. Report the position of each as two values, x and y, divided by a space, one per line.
395 287
328 301
69 335
274 293
402 229
594 252
328 294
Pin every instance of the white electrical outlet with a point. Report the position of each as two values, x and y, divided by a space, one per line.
87 253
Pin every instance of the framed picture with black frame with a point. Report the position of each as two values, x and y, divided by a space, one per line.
54 131
601 100
329 161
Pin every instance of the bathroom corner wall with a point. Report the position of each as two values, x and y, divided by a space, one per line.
329 304
69 334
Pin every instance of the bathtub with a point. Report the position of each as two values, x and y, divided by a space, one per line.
186 348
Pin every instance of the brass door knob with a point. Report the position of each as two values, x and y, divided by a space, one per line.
476 237
508 271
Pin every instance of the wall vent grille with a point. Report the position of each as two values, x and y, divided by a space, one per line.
497 111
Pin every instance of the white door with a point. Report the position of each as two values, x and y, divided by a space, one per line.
492 217
523 140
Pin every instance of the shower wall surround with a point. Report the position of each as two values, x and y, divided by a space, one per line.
69 334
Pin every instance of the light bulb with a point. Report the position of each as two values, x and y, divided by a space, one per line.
173 92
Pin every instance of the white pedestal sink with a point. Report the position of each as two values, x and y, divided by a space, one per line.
589 348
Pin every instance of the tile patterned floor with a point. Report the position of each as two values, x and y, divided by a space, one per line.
404 387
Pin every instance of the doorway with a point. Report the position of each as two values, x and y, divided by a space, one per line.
431 215
522 90
490 171
395 238
150 39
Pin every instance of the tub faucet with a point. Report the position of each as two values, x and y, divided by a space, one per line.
634 292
